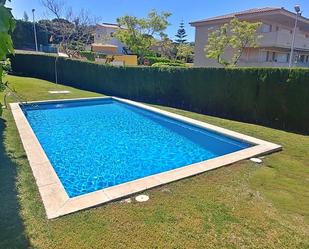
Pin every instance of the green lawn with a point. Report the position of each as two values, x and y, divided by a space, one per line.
240 206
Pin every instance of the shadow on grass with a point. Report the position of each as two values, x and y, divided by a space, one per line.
11 225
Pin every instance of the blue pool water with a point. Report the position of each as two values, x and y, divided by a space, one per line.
96 144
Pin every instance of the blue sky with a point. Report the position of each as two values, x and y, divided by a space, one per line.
188 10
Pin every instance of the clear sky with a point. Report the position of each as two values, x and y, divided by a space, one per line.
188 10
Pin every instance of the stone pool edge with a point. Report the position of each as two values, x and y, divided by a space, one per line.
55 199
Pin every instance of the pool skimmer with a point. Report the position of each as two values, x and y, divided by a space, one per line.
142 198
256 160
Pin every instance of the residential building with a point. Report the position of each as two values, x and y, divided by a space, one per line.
275 40
105 42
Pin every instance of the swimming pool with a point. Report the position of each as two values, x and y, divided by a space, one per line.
96 145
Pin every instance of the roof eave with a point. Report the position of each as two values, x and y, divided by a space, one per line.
224 19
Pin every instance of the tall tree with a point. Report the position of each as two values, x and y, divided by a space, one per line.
23 35
25 17
139 33
235 35
7 25
181 34
166 47
74 32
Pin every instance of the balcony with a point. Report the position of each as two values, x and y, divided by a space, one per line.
243 63
283 39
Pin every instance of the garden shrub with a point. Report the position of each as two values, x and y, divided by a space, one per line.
89 55
152 60
275 97
168 64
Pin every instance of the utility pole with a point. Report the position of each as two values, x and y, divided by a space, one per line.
298 13
34 29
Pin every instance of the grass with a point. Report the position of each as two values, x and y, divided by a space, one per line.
241 206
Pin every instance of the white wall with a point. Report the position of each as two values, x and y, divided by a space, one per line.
103 35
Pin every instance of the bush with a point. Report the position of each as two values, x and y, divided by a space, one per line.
152 60
168 64
270 96
90 56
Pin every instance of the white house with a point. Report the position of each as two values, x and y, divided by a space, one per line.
105 42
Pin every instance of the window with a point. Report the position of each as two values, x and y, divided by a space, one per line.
302 58
282 57
279 57
265 28
274 57
267 56
264 56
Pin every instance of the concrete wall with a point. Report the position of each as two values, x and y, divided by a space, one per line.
128 60
125 60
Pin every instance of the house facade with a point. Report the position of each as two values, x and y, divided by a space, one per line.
274 44
105 42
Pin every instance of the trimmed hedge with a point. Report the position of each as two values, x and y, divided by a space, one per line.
152 60
168 64
274 97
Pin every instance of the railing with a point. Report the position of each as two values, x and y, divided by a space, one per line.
283 39
244 63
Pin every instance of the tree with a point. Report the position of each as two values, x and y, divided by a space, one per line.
25 17
73 32
165 47
235 35
7 25
139 33
184 51
23 36
181 33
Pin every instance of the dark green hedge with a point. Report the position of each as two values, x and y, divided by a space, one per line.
273 97
152 60
168 64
